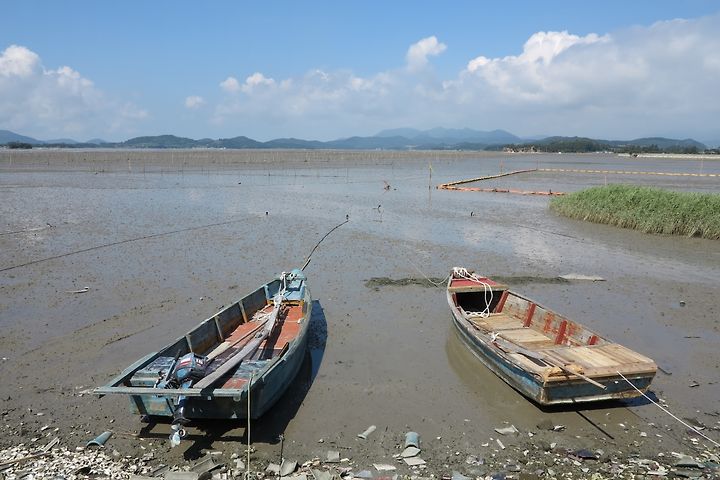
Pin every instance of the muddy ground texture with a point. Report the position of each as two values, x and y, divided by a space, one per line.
106 256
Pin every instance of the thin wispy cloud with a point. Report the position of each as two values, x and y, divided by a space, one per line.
194 102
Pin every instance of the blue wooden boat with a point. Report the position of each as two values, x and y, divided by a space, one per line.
251 349
543 355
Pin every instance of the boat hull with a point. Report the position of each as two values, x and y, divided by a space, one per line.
265 391
544 391
544 356
254 348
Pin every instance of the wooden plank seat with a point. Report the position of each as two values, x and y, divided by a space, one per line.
604 359
528 338
496 322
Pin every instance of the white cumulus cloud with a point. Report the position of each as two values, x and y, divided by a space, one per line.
194 101
257 80
230 85
17 61
655 80
659 79
418 53
45 102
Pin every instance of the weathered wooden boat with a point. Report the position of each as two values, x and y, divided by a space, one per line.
543 355
250 350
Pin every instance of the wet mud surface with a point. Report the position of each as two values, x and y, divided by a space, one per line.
162 246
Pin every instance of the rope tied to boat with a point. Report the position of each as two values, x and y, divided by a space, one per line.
464 273
248 472
668 411
307 260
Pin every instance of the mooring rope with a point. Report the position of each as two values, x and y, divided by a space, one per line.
248 472
436 284
462 272
307 260
669 412
120 242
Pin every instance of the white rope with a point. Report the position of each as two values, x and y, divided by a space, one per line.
437 284
462 272
277 302
669 413
248 472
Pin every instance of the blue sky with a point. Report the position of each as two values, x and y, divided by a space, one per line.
324 70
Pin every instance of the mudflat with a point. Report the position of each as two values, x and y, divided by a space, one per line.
106 256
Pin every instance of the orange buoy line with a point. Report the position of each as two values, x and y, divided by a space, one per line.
454 185
501 190
625 172
487 177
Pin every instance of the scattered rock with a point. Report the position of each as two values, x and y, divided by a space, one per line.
287 467
474 460
321 474
414 461
511 430
182 476
410 452
528 476
688 462
546 424
585 454
694 422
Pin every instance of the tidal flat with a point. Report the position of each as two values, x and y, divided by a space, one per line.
163 239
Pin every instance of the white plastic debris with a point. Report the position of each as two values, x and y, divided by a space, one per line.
367 432
579 276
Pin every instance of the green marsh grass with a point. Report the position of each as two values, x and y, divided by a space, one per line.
650 210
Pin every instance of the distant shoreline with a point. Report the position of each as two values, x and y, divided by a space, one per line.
694 156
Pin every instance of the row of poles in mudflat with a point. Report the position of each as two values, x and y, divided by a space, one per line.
456 185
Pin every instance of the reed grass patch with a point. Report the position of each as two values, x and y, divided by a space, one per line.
648 209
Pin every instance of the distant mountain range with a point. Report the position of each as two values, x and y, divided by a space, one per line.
6 136
394 139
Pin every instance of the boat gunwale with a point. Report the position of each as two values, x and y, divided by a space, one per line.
114 385
478 340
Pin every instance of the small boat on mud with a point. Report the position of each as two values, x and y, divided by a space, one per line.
233 365
543 355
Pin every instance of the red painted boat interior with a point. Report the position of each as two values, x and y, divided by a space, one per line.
512 312
287 329
464 282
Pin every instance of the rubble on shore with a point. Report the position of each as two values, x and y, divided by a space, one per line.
531 458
